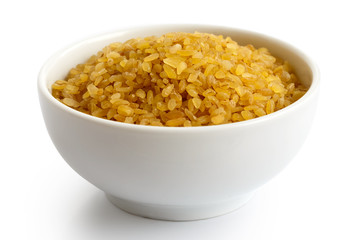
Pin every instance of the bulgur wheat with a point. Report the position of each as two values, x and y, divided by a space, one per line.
180 79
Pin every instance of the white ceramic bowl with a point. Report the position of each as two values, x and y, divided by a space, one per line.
177 173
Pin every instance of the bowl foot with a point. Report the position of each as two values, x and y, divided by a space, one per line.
179 213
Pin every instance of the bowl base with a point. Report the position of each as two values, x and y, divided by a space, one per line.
179 213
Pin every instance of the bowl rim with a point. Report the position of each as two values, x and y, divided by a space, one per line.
44 91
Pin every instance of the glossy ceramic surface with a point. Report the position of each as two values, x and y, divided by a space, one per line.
177 173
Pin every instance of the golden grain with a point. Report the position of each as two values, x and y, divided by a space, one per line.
180 79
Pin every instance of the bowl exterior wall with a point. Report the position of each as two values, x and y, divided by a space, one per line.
178 167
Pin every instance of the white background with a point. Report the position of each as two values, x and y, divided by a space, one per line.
316 197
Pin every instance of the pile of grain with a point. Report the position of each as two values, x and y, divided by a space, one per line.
180 79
